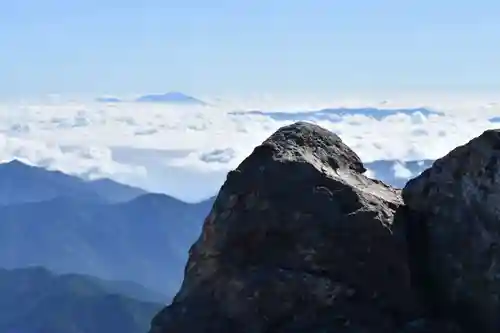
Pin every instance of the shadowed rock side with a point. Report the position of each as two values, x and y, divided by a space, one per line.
457 204
299 240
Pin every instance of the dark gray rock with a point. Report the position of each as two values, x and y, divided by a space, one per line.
454 221
298 240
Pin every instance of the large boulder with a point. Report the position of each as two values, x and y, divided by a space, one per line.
298 240
454 223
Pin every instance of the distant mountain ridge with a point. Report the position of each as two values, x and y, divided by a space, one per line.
336 114
22 183
120 287
108 99
173 97
100 228
121 241
35 300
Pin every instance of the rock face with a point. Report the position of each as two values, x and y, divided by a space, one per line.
456 203
298 240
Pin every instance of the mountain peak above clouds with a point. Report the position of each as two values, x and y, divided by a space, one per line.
173 97
108 99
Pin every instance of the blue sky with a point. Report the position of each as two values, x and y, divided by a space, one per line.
233 47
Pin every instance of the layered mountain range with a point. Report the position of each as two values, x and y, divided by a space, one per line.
35 300
81 256
101 228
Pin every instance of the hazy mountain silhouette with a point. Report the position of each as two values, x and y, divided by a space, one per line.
22 183
173 97
108 100
336 114
144 240
34 300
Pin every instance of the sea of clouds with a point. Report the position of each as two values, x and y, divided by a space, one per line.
186 151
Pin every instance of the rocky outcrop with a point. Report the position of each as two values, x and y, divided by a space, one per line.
300 240
457 204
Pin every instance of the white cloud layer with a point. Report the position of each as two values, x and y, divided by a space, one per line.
186 151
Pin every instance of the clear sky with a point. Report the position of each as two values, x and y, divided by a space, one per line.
246 46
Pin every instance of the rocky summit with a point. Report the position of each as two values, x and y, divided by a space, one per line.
457 203
299 240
